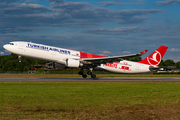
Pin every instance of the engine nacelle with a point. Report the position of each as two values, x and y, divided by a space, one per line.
72 63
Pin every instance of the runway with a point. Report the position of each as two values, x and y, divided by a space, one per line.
108 79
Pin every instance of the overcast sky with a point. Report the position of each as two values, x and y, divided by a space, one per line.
110 27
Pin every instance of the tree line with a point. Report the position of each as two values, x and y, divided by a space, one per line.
11 63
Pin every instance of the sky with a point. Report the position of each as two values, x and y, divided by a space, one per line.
104 27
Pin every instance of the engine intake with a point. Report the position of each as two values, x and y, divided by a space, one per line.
73 63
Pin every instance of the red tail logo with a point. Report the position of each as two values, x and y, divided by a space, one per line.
155 57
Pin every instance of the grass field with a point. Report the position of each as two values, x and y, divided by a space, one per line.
89 100
7 75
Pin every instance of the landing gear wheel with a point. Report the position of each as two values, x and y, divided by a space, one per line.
84 76
80 72
93 76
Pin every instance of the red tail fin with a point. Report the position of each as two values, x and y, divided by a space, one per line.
155 57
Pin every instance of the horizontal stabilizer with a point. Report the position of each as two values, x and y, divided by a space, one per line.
152 68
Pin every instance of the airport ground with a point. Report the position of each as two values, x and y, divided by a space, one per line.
89 100
24 75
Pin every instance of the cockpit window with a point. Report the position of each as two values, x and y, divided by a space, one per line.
11 43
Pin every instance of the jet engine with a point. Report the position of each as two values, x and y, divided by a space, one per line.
72 63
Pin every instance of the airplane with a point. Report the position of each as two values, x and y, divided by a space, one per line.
82 60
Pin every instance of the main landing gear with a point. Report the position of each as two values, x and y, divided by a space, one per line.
88 73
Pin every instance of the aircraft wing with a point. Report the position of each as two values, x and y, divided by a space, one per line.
104 60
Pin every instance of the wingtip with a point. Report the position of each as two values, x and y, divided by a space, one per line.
143 52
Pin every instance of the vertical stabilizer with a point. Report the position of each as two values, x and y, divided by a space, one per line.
155 58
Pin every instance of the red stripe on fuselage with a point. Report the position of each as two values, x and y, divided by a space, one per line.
88 55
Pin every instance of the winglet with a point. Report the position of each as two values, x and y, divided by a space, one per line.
143 52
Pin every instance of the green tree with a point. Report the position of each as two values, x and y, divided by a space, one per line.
162 63
169 62
11 63
178 65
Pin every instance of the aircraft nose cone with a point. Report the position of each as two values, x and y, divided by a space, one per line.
5 46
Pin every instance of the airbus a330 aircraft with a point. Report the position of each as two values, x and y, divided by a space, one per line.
71 58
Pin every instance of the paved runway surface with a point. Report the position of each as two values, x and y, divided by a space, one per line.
110 79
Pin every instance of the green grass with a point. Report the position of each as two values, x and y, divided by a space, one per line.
89 100
24 75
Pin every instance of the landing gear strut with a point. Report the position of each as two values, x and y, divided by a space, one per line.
90 73
19 56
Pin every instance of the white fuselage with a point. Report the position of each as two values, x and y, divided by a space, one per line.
126 67
59 55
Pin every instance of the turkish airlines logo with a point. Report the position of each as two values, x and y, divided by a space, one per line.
155 58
